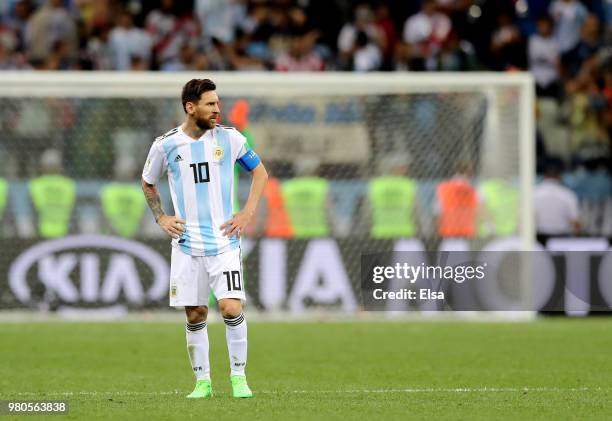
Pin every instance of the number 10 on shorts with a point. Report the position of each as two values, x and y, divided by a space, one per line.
233 280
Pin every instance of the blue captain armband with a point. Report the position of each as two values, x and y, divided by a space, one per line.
249 160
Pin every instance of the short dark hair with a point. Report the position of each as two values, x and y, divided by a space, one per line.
554 167
546 18
193 90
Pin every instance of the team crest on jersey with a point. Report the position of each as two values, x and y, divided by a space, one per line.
218 153
173 291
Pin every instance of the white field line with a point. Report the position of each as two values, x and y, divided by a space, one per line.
339 391
254 315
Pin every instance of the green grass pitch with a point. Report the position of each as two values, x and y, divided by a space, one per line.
547 369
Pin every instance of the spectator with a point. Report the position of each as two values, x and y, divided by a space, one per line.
219 18
452 6
367 56
17 22
301 56
257 28
424 33
218 55
169 31
587 47
92 13
278 30
507 45
187 60
543 52
457 55
59 58
128 42
8 42
240 57
328 19
137 64
556 206
48 25
99 50
363 21
386 28
586 109
569 15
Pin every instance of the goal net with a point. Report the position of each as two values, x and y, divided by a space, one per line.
360 164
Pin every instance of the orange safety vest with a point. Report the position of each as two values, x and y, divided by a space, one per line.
458 205
277 221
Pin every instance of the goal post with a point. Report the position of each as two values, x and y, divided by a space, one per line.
349 128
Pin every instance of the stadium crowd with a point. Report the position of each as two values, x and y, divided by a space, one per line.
564 43
307 35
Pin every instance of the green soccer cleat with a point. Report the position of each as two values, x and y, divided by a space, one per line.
240 388
203 389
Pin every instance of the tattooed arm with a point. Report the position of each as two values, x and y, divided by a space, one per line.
172 225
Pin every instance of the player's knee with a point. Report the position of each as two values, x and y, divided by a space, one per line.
230 307
196 314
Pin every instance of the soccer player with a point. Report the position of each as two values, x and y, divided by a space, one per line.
199 157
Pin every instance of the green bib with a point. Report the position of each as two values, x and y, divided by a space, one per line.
53 197
502 203
123 205
306 201
3 195
392 200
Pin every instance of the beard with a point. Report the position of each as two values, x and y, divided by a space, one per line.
206 123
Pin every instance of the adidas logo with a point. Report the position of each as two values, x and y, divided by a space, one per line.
178 158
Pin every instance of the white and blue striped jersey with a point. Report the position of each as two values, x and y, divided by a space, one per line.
201 179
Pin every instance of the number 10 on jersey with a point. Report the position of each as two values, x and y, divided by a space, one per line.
200 175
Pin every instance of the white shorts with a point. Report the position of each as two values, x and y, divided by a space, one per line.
193 277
